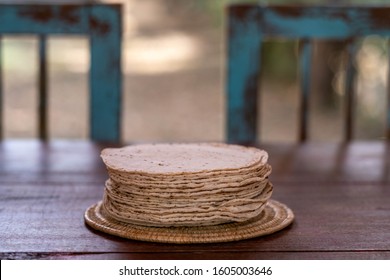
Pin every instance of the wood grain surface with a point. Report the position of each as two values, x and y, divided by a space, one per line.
339 193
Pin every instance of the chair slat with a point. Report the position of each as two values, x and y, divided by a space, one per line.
305 70
44 18
42 88
322 22
349 90
244 40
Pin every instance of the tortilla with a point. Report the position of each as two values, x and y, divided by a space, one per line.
174 185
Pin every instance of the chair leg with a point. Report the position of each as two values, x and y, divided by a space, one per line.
105 103
349 91
305 77
244 41
42 84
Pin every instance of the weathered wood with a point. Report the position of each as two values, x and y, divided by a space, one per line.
251 23
383 255
352 48
322 22
42 89
105 103
102 24
305 77
242 77
44 19
54 213
338 192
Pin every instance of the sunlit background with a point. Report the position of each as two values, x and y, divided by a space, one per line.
174 70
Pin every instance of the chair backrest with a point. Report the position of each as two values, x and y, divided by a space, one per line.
103 25
250 24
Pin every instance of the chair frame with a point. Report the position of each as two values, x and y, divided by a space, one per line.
250 24
102 23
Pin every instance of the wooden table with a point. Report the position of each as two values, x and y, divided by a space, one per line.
339 193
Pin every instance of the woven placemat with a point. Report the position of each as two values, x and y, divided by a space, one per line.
275 217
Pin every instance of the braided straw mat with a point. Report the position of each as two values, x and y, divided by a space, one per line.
187 193
274 217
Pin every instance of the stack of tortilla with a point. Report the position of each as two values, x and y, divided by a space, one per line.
177 186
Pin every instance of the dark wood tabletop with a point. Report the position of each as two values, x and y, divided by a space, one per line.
340 195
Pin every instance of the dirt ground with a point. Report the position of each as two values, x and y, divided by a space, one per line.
174 71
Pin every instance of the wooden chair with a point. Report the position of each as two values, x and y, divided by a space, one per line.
102 24
250 24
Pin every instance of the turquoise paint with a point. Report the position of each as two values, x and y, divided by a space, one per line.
305 63
243 69
251 23
313 23
320 23
305 77
105 76
17 19
102 23
349 90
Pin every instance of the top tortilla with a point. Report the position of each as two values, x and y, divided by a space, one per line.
177 159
